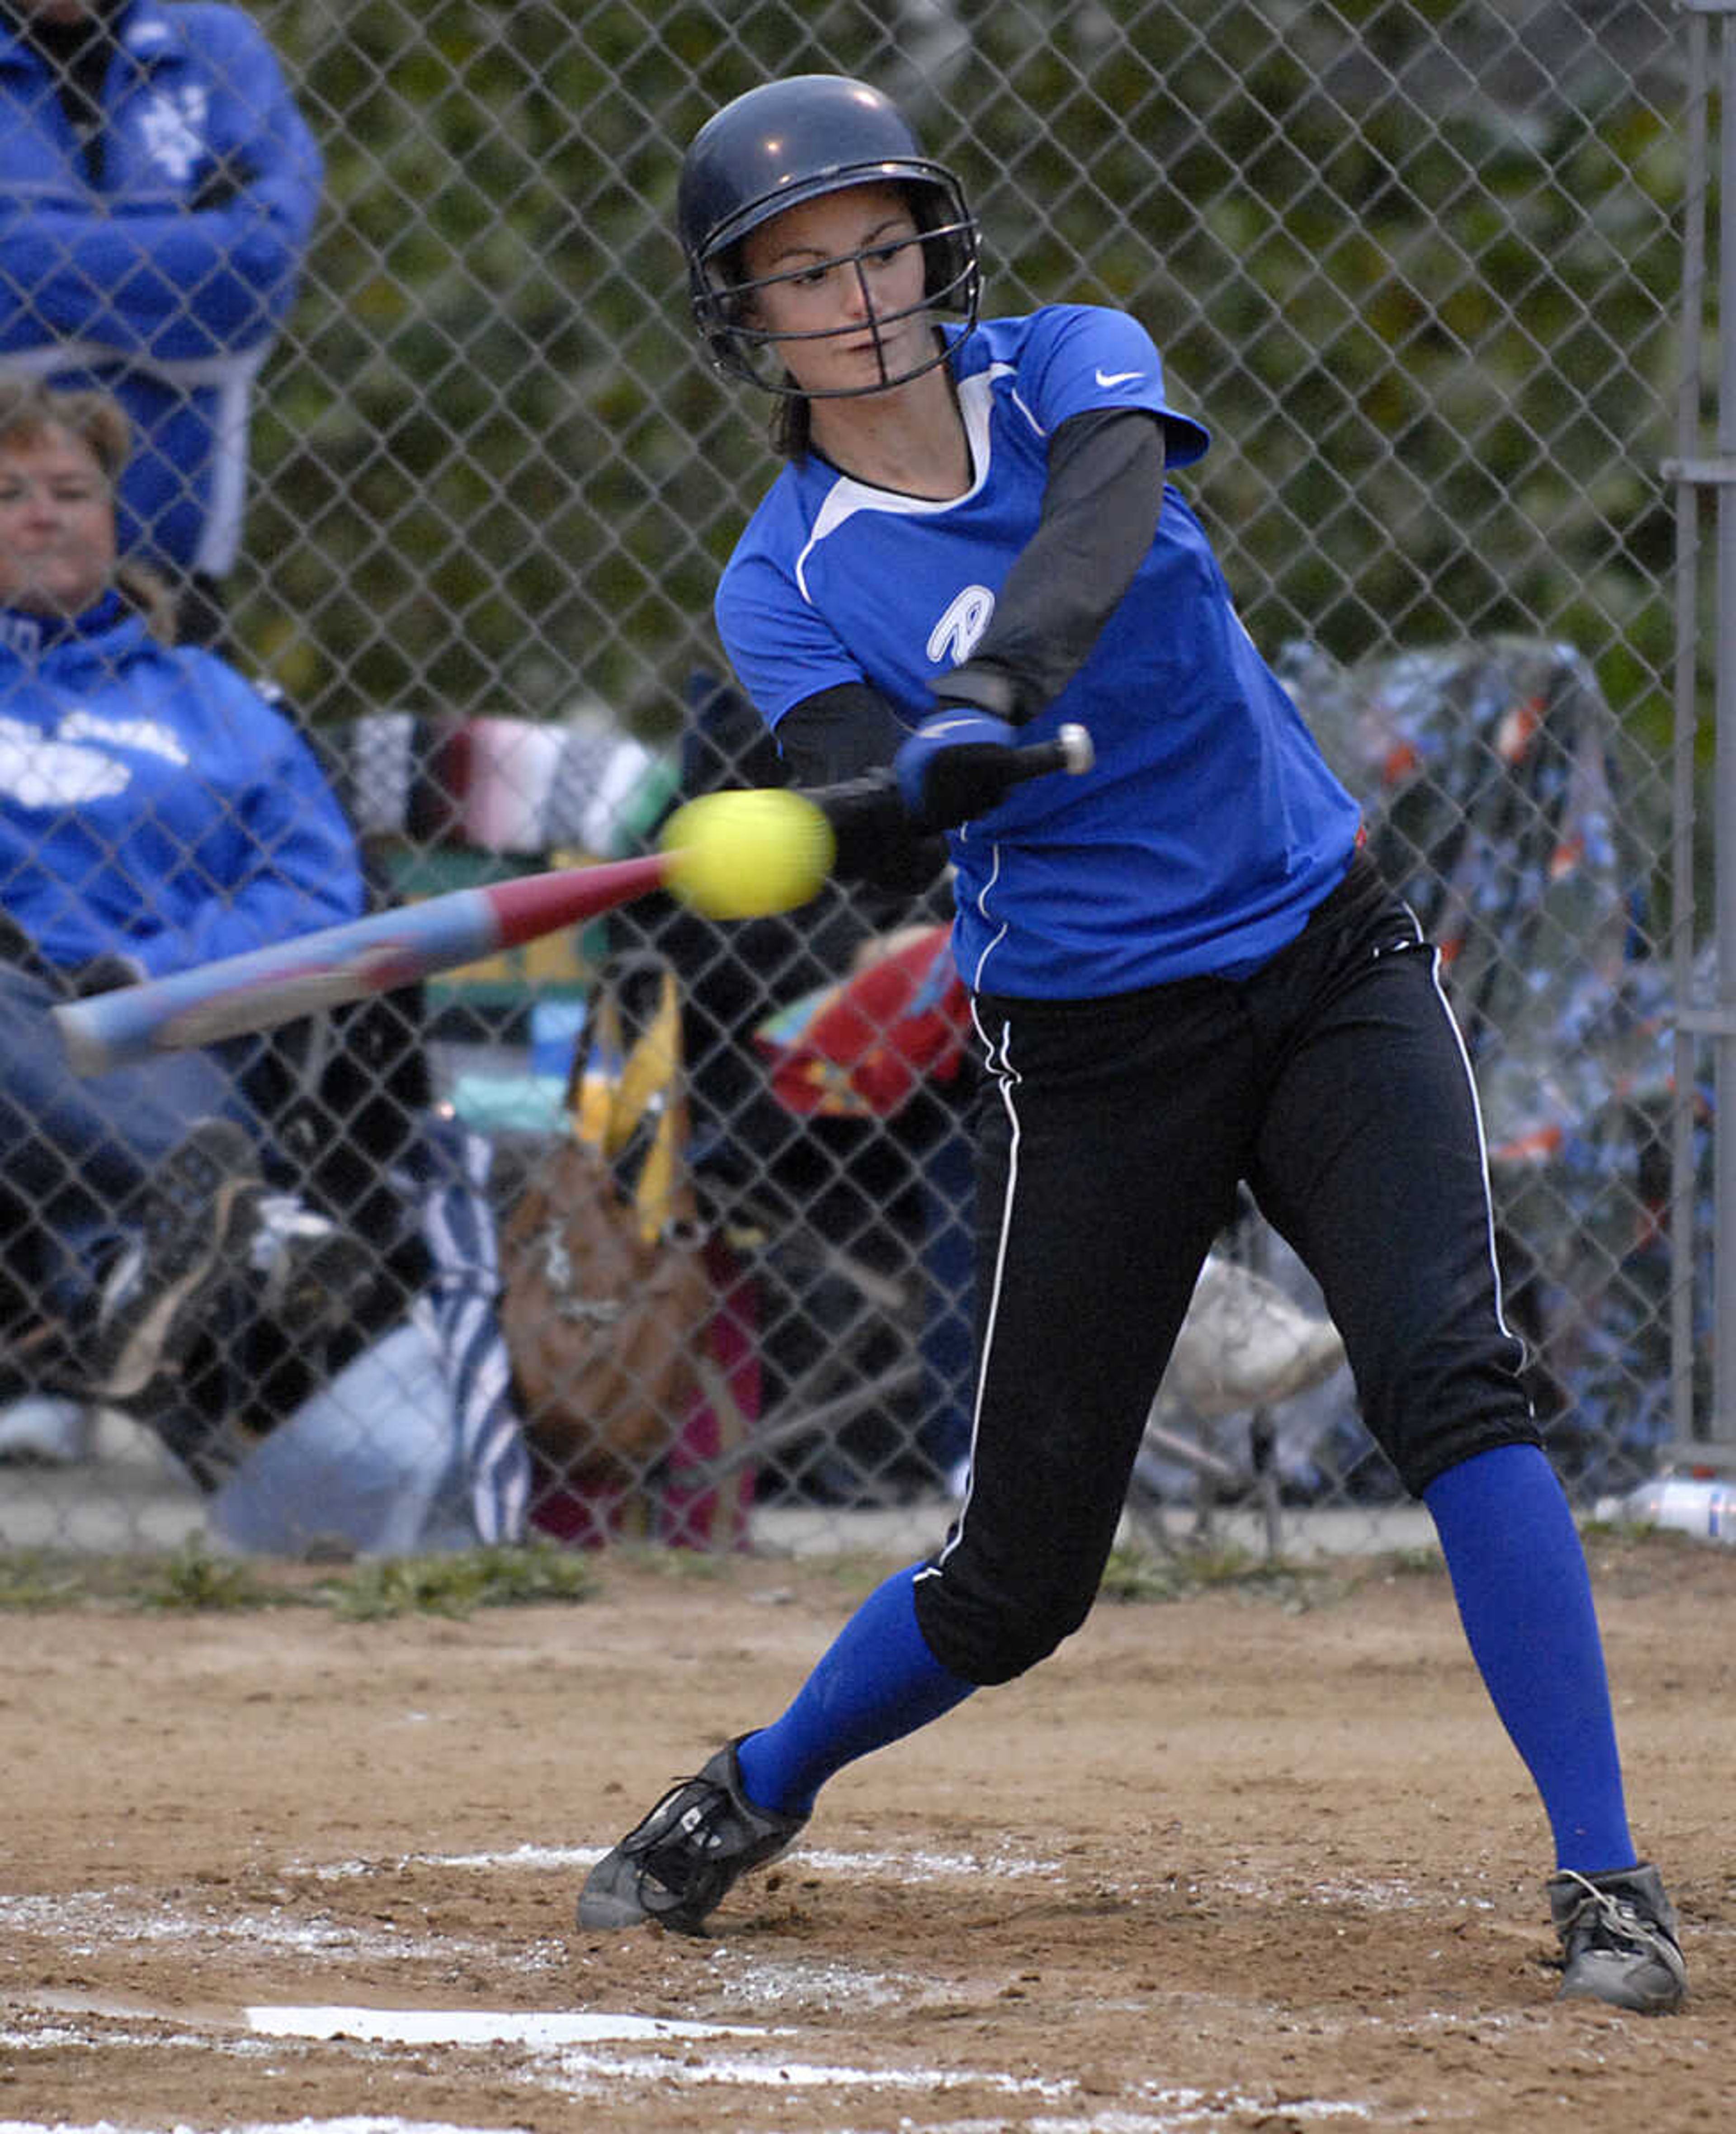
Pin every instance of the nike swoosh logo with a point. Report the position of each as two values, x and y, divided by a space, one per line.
941 727
1118 376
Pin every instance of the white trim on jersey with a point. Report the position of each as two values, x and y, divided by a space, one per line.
991 919
847 496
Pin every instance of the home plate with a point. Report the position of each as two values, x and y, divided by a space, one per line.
477 2026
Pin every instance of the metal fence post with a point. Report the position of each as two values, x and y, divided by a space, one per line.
1712 1436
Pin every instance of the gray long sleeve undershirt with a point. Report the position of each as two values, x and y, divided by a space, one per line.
1101 509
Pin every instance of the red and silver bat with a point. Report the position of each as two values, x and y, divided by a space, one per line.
315 971
273 985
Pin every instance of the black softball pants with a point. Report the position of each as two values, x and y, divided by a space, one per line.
1112 1136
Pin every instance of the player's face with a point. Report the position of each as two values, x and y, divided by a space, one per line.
56 524
845 296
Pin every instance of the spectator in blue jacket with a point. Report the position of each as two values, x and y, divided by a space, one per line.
158 191
155 811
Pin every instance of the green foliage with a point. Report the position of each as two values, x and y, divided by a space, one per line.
459 1584
1187 1570
31 1579
1433 331
194 1578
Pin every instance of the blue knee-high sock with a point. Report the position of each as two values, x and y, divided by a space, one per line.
1524 1596
877 1680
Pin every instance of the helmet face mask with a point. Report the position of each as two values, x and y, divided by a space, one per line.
801 140
729 312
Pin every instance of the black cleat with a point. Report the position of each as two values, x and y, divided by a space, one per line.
1618 1940
208 1222
197 1217
688 1854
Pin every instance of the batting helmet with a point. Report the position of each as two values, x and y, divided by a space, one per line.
791 141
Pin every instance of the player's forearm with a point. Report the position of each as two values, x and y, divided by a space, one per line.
1100 509
852 733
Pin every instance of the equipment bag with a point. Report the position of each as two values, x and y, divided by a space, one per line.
606 1295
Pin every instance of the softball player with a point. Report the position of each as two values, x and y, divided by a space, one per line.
1184 975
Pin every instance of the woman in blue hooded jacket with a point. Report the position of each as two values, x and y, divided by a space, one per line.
155 811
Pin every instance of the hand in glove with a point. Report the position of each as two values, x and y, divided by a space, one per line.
953 767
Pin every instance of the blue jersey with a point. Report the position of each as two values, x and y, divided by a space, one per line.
162 272
1209 826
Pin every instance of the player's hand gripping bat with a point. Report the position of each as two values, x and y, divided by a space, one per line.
728 866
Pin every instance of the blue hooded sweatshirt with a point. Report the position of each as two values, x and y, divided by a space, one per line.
152 804
159 261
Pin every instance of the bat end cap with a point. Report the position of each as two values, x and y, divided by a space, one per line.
1077 749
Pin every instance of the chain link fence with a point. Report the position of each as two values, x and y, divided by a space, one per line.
1418 267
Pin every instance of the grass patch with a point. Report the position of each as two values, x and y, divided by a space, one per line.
1141 1574
1185 1573
32 1579
690 1566
459 1584
196 1579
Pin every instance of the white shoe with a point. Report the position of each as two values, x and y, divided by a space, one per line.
1245 1343
45 1428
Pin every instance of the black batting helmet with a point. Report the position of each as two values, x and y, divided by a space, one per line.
795 140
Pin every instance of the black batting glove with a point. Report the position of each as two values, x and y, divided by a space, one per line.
953 767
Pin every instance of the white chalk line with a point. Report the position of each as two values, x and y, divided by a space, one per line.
921 1866
567 2050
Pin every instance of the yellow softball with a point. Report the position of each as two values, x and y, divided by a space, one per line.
743 855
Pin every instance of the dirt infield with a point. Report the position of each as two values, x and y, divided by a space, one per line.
1254 1859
